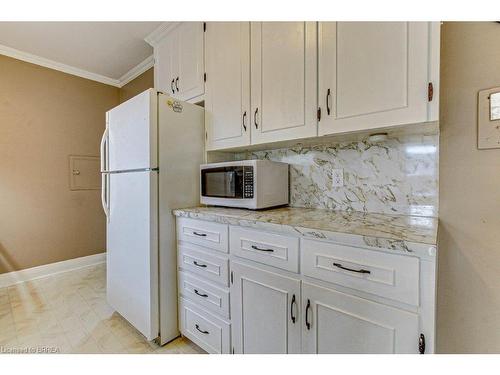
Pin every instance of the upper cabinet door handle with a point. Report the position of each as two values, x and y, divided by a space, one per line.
177 84
255 118
338 265
172 86
244 120
328 95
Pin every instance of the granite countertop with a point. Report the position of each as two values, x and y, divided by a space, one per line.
395 232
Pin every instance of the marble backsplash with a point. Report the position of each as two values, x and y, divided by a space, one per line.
395 176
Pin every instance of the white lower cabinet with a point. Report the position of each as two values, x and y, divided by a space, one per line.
335 322
206 330
336 299
264 311
209 296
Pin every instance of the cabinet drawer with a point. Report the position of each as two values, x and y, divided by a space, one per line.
204 294
204 233
391 276
267 248
204 329
210 266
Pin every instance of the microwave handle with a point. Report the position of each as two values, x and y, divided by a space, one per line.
229 180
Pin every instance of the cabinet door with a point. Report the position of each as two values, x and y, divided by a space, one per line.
283 80
227 98
264 311
190 67
165 68
335 322
372 74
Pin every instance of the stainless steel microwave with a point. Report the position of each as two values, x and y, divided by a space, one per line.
253 184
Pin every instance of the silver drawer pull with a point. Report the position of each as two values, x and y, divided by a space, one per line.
338 265
258 248
200 294
200 234
198 328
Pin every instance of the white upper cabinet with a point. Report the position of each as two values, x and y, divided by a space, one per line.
227 97
283 81
165 68
190 60
179 65
375 74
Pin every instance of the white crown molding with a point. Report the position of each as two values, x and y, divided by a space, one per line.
51 64
159 33
28 57
136 71
16 277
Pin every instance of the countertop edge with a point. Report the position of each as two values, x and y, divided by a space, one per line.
390 244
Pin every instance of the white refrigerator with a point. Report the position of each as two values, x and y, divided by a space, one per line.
151 151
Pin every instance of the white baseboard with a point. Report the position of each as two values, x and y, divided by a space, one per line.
16 277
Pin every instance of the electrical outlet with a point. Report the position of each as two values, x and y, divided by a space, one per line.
337 177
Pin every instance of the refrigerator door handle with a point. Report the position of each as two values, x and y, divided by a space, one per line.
104 194
104 146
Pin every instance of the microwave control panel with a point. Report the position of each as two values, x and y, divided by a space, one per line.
248 182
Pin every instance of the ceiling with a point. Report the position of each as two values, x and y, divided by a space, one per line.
107 49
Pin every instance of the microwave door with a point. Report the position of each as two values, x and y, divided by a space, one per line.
222 183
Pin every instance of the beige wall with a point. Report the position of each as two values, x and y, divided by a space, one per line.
138 85
469 233
45 116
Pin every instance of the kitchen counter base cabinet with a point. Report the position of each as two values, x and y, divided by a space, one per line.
206 330
301 295
264 311
340 323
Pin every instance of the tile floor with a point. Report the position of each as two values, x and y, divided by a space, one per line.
68 313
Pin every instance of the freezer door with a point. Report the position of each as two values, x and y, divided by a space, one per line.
132 249
132 129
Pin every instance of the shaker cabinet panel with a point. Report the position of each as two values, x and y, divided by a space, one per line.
190 83
264 311
179 64
283 80
165 68
335 322
372 75
227 98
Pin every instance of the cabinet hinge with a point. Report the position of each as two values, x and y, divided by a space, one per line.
421 344
430 91
319 114
204 26
232 277
204 77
